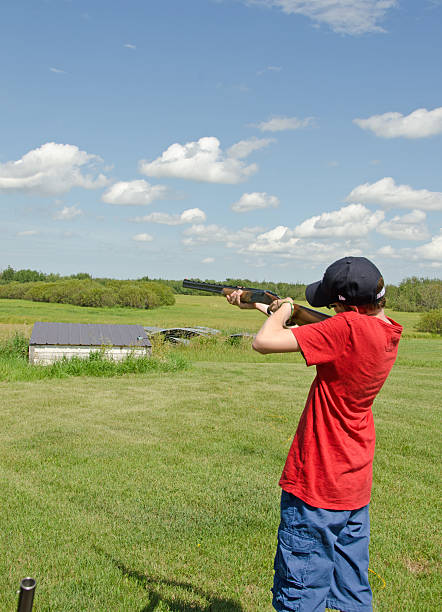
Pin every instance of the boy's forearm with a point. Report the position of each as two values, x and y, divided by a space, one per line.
262 308
273 337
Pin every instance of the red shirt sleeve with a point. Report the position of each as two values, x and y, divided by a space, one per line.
324 341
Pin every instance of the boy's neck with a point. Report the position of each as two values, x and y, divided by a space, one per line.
370 310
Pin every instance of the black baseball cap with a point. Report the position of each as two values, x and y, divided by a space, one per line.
350 280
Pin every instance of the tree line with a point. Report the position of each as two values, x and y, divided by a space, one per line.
82 290
413 294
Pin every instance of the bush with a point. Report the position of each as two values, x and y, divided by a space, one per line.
15 291
91 293
132 297
15 346
415 295
430 322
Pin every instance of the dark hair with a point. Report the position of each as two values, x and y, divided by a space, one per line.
381 301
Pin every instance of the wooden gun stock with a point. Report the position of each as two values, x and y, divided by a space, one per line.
301 314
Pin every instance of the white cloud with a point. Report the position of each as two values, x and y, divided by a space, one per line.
421 123
388 251
57 70
243 148
389 195
67 213
191 215
202 234
134 193
142 238
277 233
279 239
255 201
320 238
408 227
202 160
429 254
129 46
314 243
51 169
208 260
280 124
28 233
431 251
281 242
350 221
343 16
269 69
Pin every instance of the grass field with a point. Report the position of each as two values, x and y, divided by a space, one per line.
158 491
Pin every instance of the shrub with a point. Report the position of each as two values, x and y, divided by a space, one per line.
132 297
15 346
415 295
87 292
430 322
15 291
164 292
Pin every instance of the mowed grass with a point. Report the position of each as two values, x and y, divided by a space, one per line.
188 311
158 491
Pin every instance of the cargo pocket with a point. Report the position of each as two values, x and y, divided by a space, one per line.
293 556
285 597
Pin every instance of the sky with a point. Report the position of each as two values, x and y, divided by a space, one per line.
259 139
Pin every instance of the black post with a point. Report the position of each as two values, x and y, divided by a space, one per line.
26 597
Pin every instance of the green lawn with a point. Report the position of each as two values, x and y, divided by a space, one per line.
212 311
158 492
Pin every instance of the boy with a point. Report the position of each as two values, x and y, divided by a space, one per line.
322 555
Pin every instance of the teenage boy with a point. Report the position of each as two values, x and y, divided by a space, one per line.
322 555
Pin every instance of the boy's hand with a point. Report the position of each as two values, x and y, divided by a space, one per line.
235 299
274 306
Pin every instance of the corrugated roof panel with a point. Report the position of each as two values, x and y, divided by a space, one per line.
90 334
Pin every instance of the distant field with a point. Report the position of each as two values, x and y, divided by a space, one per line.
158 492
212 311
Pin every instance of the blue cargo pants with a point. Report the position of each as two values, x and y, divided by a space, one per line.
321 559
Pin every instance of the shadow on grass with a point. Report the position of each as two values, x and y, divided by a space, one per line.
153 586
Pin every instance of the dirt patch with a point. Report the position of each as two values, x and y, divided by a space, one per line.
417 566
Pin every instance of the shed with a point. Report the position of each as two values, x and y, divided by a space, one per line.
52 341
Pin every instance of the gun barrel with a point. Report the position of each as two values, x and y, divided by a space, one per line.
26 596
249 295
212 287
301 315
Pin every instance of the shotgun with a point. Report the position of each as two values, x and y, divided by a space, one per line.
301 314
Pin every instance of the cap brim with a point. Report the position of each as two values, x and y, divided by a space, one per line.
316 295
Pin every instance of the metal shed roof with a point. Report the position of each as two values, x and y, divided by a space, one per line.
80 334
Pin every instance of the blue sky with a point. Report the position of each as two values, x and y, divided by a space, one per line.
230 138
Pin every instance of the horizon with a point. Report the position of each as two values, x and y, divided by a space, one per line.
206 279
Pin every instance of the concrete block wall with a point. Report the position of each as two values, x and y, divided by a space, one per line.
47 354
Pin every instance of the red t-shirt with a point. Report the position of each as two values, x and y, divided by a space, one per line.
329 464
